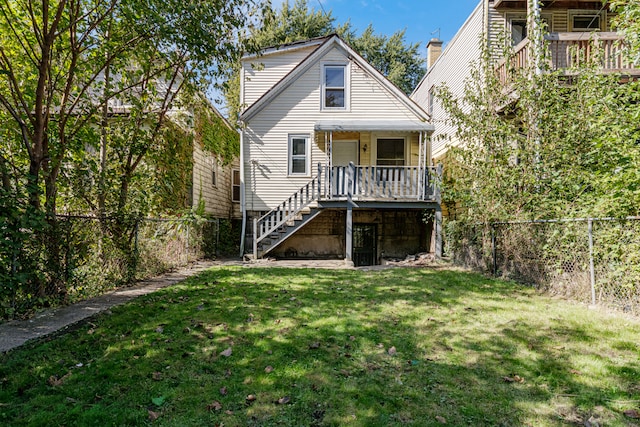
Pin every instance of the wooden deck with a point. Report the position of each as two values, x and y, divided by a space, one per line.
381 184
570 50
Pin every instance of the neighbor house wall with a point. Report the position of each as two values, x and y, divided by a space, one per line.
216 198
451 69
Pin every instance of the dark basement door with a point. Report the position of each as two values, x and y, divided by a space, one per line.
364 244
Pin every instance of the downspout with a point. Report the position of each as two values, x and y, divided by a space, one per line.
243 203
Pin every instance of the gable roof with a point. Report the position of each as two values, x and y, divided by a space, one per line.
300 44
315 56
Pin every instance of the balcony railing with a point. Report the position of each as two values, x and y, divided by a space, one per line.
379 182
569 50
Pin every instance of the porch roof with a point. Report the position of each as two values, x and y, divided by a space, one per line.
373 125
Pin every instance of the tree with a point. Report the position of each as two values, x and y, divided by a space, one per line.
63 63
627 21
399 62
582 159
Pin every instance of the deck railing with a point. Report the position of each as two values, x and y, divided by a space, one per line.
380 182
569 50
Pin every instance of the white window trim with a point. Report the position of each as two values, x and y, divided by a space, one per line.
323 87
585 12
307 155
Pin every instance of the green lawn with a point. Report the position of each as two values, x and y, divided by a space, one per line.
298 347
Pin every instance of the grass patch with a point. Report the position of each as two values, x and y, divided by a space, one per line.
300 347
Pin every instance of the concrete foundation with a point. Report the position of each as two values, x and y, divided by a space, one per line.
397 234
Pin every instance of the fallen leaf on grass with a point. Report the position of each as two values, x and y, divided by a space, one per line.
392 351
214 406
226 353
153 415
223 391
156 376
632 413
345 372
575 372
440 419
55 381
251 398
314 345
284 400
513 379
268 369
228 412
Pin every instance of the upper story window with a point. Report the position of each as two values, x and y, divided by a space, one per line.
518 26
334 87
299 163
584 20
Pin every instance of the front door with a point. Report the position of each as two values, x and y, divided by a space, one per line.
364 244
345 152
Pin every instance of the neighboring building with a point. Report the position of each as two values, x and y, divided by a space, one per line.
216 181
570 24
334 157
213 182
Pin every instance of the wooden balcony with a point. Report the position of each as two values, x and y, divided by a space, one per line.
379 183
565 51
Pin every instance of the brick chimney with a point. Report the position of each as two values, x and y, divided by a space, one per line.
434 49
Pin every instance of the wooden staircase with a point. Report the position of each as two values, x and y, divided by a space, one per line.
280 223
281 234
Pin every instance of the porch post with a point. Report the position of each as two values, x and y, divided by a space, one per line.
438 230
330 171
420 192
349 220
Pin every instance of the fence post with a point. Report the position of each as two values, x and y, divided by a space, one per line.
217 237
592 272
494 251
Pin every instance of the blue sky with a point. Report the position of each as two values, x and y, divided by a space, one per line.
420 18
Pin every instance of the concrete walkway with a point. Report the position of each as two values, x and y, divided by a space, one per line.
17 332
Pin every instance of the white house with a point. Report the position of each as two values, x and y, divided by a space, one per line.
334 157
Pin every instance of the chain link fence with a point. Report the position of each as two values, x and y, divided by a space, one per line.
77 257
591 260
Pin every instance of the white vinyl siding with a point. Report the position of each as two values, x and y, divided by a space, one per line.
452 68
295 112
262 73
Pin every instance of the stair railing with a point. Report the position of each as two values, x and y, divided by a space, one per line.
286 211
